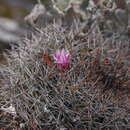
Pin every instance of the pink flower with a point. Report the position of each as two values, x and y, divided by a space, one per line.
61 58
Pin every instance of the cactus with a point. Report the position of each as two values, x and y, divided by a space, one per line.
118 16
85 87
92 93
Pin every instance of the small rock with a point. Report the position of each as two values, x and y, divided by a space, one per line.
10 32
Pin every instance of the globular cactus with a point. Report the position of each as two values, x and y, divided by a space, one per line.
60 78
91 93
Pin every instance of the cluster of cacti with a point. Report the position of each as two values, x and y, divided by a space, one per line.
116 17
111 15
92 92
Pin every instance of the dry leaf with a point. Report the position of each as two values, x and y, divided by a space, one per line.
47 59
